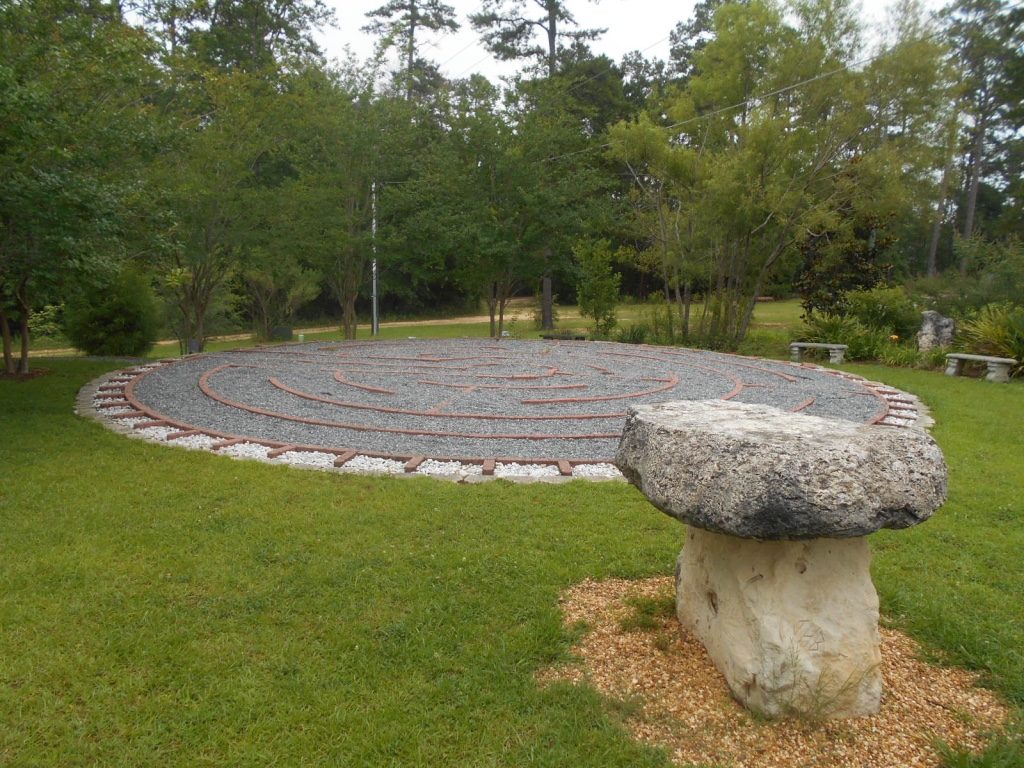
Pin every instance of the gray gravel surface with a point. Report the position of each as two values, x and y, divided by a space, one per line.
472 398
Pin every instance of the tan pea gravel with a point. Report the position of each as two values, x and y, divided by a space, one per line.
682 704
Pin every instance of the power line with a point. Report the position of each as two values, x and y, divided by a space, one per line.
473 66
458 53
761 97
606 71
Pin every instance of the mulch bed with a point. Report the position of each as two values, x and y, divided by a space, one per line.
685 705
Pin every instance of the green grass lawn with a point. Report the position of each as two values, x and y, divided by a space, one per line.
771 330
163 607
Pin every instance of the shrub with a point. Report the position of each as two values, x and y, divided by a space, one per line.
996 329
47 322
634 334
765 343
597 290
885 309
661 320
899 356
933 359
119 318
864 343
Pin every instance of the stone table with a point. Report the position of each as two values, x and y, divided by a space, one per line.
774 576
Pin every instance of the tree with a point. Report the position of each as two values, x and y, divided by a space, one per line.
251 35
398 22
987 41
597 289
510 30
222 182
341 134
689 38
277 287
778 148
643 79
74 127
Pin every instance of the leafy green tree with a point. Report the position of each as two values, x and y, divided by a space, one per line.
689 37
987 37
778 147
597 290
398 22
277 287
644 80
510 30
594 89
251 35
74 128
341 134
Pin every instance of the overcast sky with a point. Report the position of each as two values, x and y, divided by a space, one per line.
632 25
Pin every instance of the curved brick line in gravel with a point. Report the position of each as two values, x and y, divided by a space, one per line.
117 392
344 454
445 414
671 383
506 387
210 392
758 368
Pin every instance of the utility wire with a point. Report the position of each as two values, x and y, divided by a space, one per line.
785 89
458 53
604 72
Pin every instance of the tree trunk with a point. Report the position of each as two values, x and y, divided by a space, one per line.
975 182
687 303
552 30
547 312
24 312
492 309
748 314
23 330
932 264
348 315
410 56
8 341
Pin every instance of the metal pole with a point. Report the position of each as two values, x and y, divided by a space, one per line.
375 321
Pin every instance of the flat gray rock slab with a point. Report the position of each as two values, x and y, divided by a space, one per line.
757 472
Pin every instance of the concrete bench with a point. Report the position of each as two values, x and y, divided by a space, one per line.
835 351
998 367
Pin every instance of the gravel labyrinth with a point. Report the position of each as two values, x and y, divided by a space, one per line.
468 406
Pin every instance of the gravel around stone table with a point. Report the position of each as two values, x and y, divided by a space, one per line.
459 408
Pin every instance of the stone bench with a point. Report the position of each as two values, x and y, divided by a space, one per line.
998 367
774 575
835 351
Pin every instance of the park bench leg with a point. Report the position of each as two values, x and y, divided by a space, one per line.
954 367
835 356
998 372
795 354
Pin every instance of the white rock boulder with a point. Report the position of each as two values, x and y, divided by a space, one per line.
774 577
761 473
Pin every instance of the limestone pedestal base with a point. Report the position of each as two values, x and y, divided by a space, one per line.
792 625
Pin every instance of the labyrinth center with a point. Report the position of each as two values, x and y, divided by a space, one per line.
469 399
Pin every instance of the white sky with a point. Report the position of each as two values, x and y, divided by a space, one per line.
632 25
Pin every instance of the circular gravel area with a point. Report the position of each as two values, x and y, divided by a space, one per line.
556 408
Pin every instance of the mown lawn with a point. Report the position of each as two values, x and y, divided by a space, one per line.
162 607
773 326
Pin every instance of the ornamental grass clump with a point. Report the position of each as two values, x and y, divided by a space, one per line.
998 330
